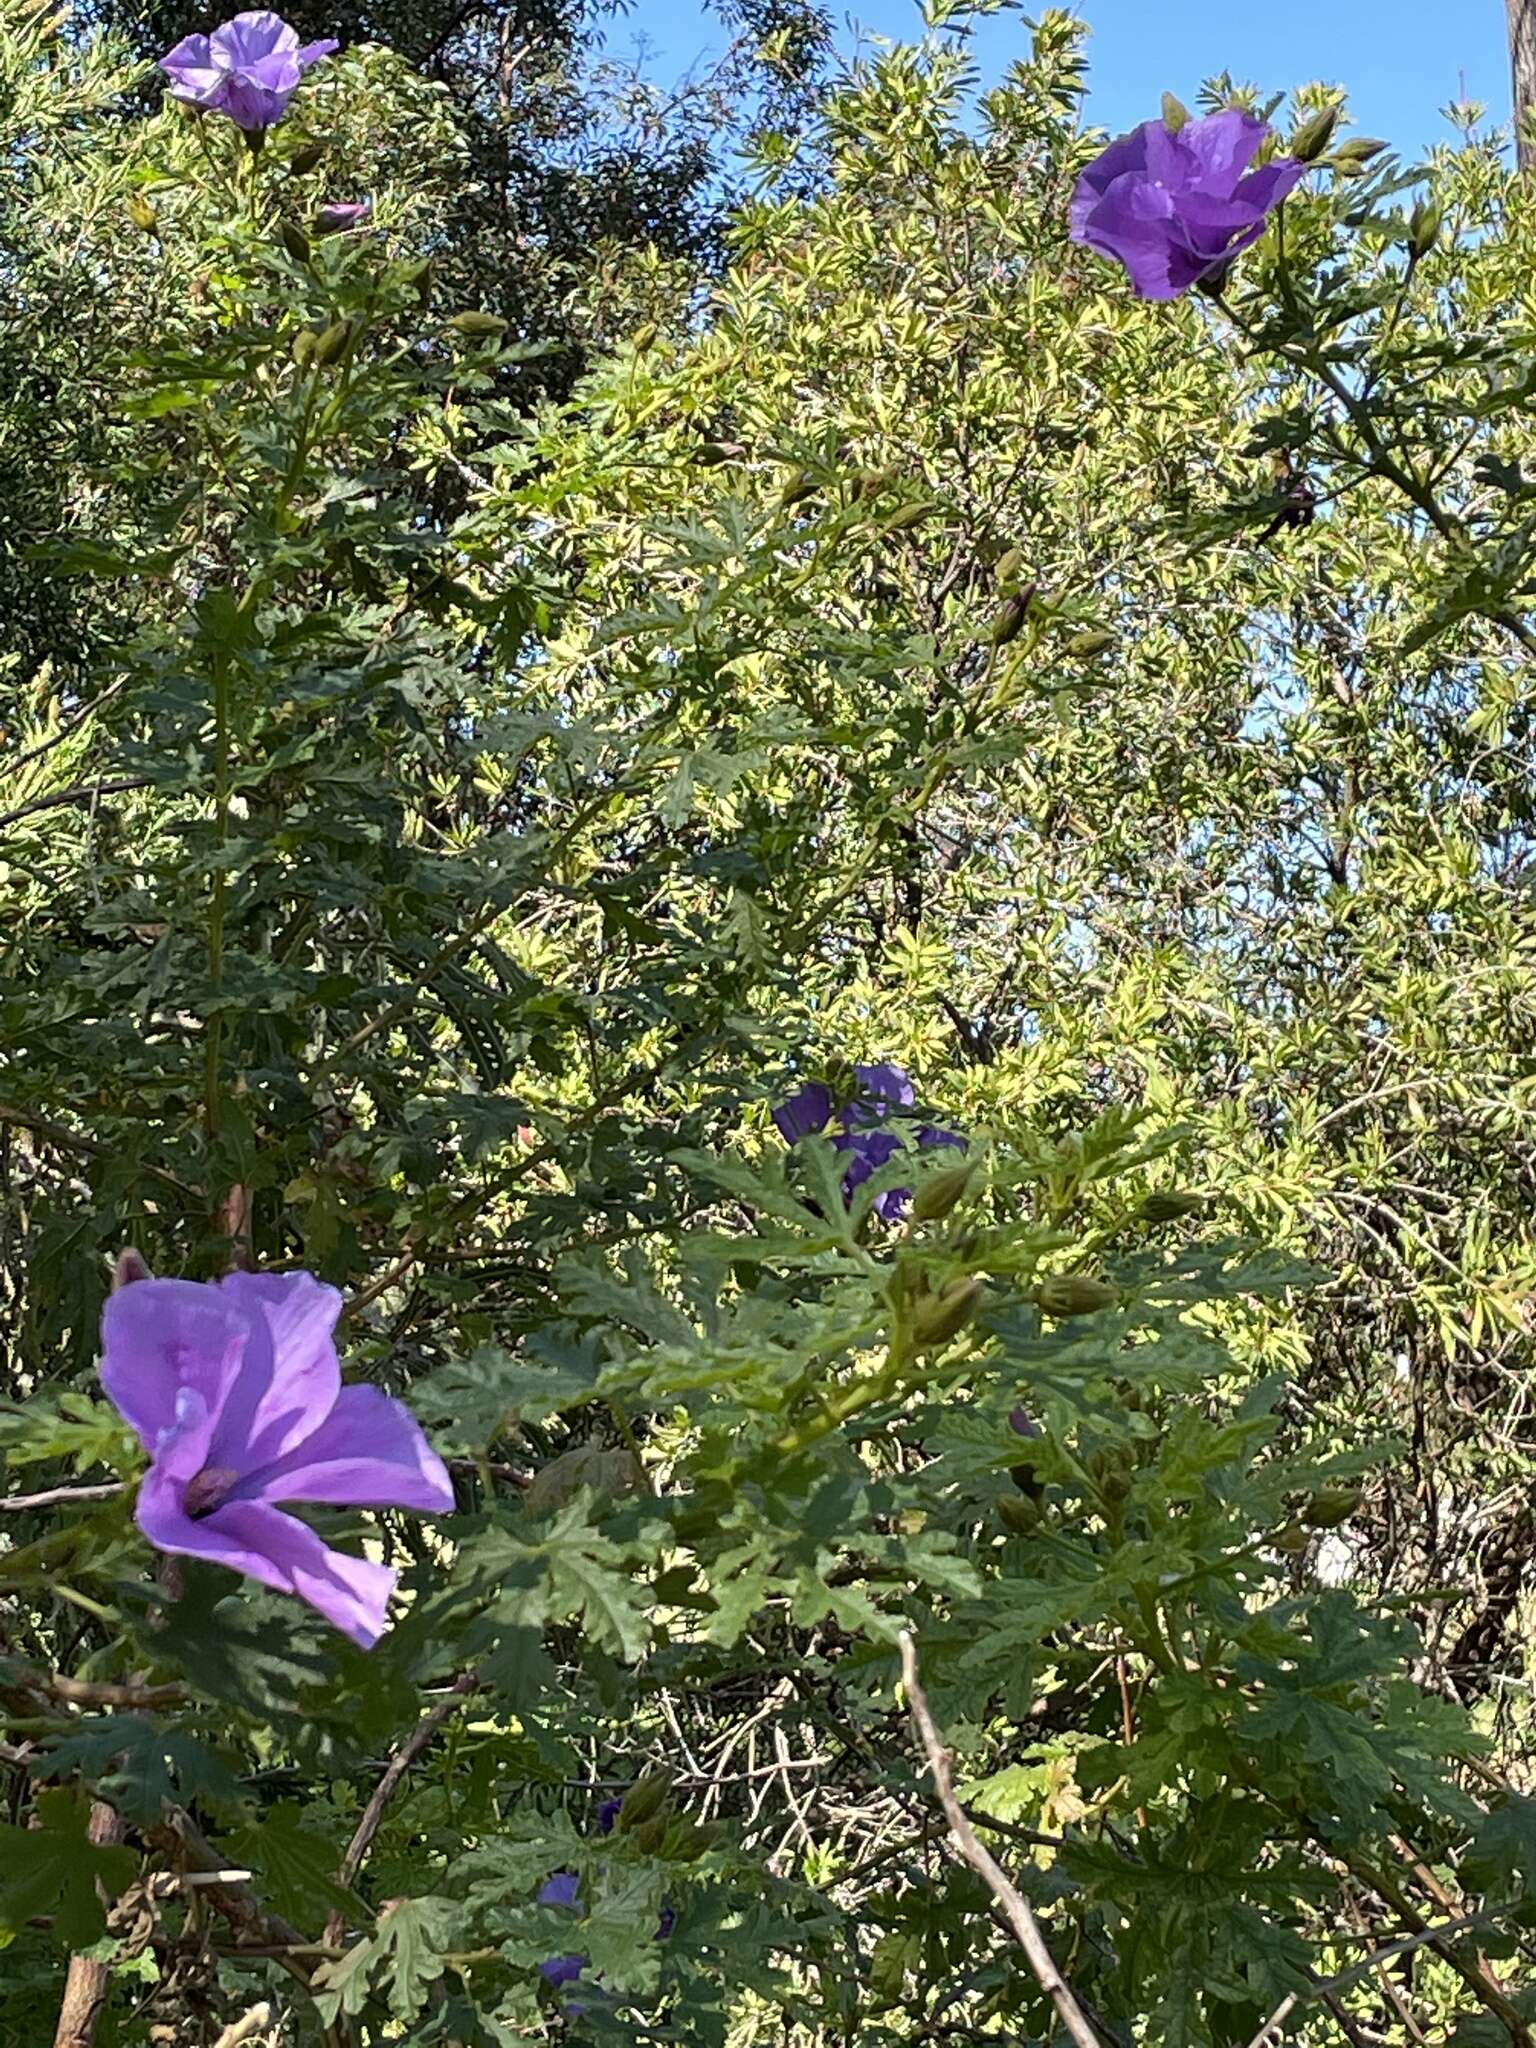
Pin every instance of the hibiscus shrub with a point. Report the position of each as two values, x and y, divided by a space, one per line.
549 1236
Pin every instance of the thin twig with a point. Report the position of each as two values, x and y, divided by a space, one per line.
247 2027
373 1813
1374 1961
1017 1908
84 1692
87 793
59 1496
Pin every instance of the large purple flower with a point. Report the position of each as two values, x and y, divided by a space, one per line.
235 1391
883 1090
249 69
1175 207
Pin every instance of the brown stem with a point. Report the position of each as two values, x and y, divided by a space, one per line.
87 1982
1021 1919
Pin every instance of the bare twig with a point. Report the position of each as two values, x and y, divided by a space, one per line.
82 1692
1016 1908
1323 1991
60 1496
407 1753
87 1981
87 793
246 2028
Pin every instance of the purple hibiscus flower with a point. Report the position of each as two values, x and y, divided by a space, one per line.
564 1889
883 1090
235 1391
1173 208
249 69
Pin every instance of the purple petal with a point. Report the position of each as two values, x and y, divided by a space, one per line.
1271 182
265 1544
369 1452
1221 147
249 37
883 1088
929 1134
313 52
342 214
254 107
270 1415
1022 1423
805 1113
563 1970
172 1350
563 1889
607 1814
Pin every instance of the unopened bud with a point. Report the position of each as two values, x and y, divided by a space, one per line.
1009 565
643 1800
1075 1294
332 342
1018 1514
1423 228
1175 114
295 241
645 334
141 213
800 486
1093 640
1314 135
689 1839
938 1317
130 1266
909 515
302 347
1292 1540
477 326
1358 150
936 1196
1009 622
1167 1205
650 1834
715 453
307 159
1331 1505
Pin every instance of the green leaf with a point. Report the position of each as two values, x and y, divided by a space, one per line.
55 1869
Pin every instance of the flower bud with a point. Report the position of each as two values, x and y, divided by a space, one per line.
1314 135
1075 1294
1359 149
1009 622
1093 640
689 1839
938 1195
800 486
650 1834
1292 1540
295 241
644 1800
1009 565
141 213
1018 1514
338 215
714 453
332 343
302 347
909 515
130 1266
305 160
477 326
1330 1505
938 1317
1423 228
645 334
1167 1205
1175 114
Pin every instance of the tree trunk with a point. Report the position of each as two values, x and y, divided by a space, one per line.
1522 64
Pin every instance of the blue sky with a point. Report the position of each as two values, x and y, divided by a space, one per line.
1401 60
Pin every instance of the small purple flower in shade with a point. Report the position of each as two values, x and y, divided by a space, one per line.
1022 1423
235 1391
339 215
1173 208
563 1889
249 69
607 1814
883 1090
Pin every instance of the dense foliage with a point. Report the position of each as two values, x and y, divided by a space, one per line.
446 810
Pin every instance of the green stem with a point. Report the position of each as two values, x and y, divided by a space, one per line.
212 1047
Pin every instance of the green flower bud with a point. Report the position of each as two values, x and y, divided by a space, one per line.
1423 228
650 1834
1358 150
1175 114
295 241
1330 1506
1314 135
1009 622
937 1196
307 159
644 1800
477 326
302 347
938 1317
1167 1205
1075 1294
645 334
909 515
800 487
1009 565
1093 640
1019 1515
691 1839
333 342
1292 1540
141 213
